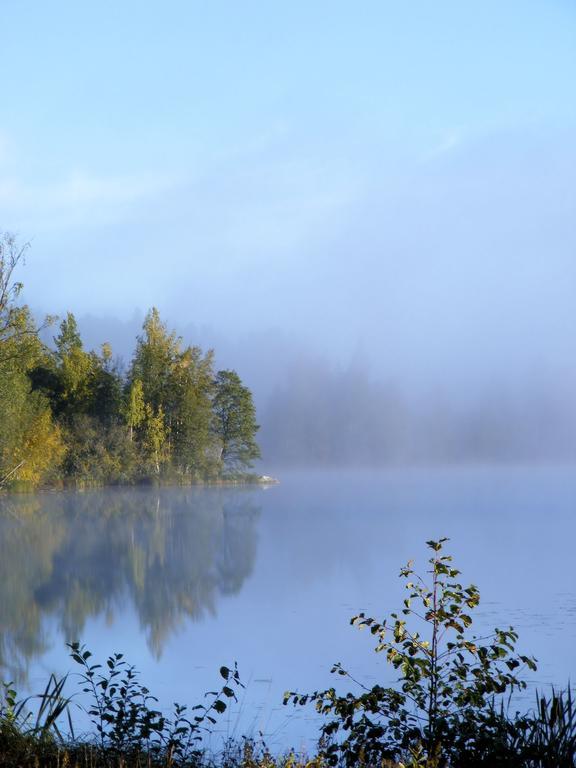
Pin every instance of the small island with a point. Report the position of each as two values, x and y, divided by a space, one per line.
76 417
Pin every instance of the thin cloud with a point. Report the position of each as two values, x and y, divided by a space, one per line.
5 149
449 142
77 199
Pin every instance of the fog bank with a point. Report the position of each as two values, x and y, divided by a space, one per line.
315 411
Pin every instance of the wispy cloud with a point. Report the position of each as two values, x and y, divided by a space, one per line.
4 149
449 142
78 199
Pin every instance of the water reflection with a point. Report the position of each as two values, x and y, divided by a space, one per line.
68 557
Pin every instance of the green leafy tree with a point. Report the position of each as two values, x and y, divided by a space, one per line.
158 353
40 449
75 370
31 447
18 333
136 407
30 443
155 436
156 359
179 381
444 703
106 396
69 339
97 453
234 422
192 438
85 390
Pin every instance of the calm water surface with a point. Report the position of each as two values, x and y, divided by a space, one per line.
184 580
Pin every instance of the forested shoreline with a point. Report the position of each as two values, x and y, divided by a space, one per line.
72 416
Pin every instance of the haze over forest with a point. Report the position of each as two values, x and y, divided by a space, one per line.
369 212
317 411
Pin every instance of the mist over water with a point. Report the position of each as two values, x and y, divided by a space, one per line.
352 410
323 418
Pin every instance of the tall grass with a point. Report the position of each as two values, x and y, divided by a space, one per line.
552 735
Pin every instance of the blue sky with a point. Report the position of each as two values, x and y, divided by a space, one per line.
391 177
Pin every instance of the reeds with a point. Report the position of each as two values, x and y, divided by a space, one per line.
552 735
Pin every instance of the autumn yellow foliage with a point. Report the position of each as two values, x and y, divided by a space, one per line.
40 450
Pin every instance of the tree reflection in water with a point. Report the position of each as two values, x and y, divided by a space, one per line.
72 556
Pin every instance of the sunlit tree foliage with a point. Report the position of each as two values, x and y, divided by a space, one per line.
70 414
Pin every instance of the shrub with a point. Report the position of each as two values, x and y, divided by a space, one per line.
124 713
442 712
129 729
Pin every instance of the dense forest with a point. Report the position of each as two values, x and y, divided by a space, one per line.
70 415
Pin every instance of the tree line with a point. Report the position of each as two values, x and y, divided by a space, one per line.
79 416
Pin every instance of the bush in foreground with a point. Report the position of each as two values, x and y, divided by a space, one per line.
447 709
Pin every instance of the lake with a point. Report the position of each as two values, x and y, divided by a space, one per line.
183 580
